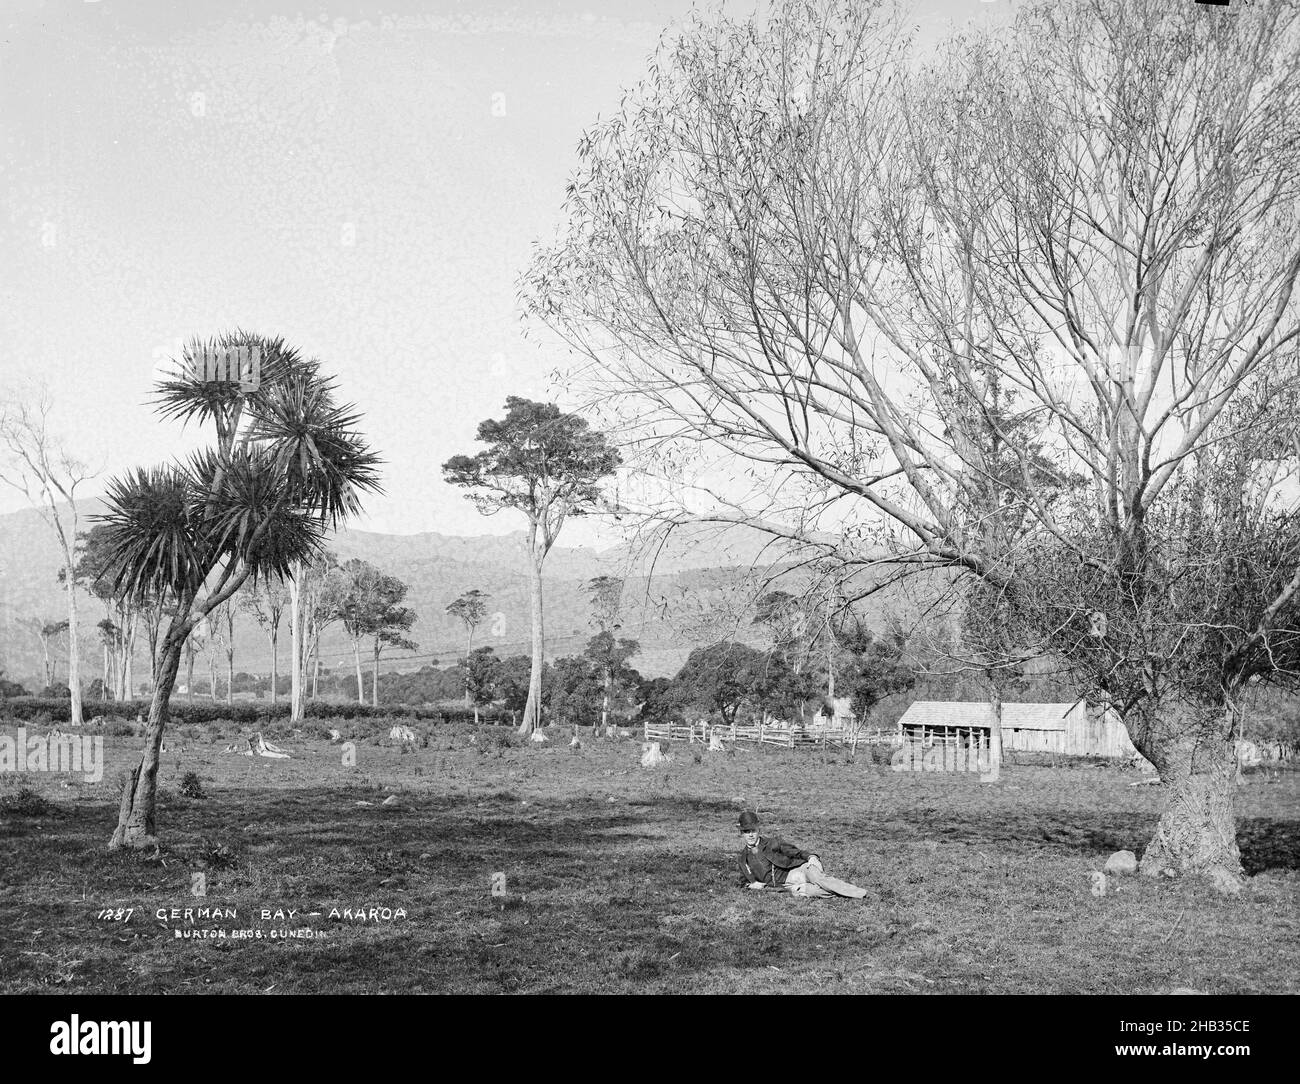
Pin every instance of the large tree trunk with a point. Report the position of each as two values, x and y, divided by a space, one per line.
356 657
995 729
151 632
74 651
230 677
295 648
469 639
128 677
310 661
275 662
374 679
122 680
533 708
136 813
189 679
1191 746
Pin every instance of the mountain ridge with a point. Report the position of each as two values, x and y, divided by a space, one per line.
695 573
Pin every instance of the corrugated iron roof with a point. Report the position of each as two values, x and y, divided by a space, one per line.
979 713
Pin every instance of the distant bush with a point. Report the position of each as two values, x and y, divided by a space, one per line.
498 741
27 803
192 786
216 855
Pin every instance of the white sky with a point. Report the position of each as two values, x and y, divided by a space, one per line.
367 185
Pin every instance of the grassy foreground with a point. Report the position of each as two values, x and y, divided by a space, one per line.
621 879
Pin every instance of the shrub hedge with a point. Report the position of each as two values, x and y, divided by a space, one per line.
57 710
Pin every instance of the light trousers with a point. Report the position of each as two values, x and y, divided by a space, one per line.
811 881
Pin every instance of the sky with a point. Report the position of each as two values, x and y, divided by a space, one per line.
366 180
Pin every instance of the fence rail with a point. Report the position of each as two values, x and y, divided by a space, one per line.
784 735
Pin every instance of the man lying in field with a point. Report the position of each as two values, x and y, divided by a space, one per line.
770 862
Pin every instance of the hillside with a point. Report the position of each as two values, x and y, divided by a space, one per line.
692 594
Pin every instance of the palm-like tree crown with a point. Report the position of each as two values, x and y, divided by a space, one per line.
289 463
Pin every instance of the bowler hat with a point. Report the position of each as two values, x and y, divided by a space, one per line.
749 821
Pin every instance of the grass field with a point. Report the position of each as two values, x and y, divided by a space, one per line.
622 879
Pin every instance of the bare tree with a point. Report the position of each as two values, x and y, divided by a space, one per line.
327 588
222 620
361 601
195 642
214 647
311 598
471 609
37 463
121 622
796 253
111 639
266 602
46 633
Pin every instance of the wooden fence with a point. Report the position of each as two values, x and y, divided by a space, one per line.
785 735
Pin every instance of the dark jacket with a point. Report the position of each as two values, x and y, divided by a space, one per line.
771 860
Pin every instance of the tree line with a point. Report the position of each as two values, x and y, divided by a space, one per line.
365 601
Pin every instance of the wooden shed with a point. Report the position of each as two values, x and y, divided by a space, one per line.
1072 729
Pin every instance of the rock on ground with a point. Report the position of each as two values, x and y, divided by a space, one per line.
1121 862
1225 882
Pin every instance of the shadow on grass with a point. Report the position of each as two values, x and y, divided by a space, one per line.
1087 831
1268 844
326 823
